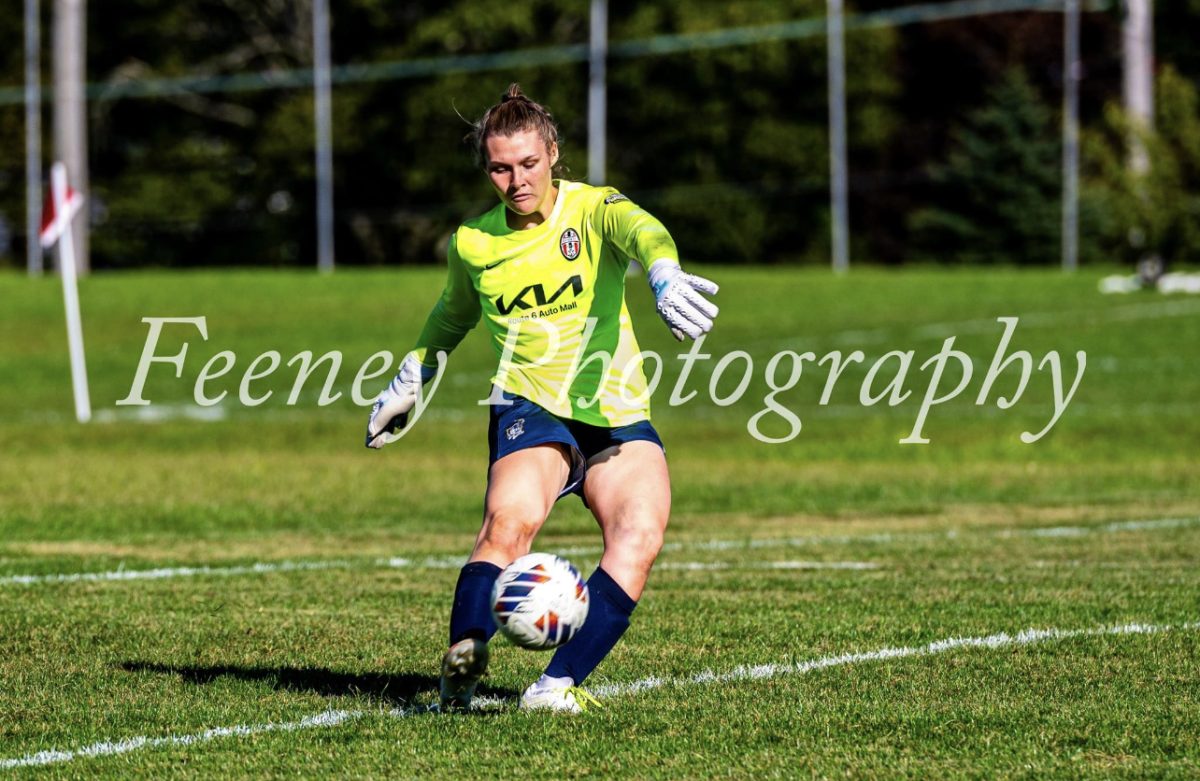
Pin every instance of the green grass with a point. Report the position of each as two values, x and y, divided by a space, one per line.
949 526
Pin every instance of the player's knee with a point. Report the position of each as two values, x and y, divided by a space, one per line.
640 540
509 531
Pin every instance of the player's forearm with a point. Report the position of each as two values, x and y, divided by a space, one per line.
444 329
454 315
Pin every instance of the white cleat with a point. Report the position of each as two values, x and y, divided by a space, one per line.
558 698
462 667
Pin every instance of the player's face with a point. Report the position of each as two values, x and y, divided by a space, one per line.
520 169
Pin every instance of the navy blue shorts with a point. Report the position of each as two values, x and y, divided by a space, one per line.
524 424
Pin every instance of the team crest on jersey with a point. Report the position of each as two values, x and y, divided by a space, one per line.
570 244
516 429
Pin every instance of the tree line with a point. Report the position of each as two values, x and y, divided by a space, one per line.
953 131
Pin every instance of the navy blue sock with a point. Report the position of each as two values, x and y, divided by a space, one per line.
607 620
471 615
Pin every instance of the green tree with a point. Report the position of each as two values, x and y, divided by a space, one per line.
727 145
998 190
730 145
1157 212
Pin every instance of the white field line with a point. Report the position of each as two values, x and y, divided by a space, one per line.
334 718
715 565
949 534
432 562
174 572
991 642
158 413
454 562
329 718
1136 566
1108 528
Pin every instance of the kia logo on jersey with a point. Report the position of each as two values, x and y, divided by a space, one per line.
569 244
574 284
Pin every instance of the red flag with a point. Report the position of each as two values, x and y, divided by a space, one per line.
52 225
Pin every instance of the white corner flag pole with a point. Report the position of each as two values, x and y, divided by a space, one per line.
66 261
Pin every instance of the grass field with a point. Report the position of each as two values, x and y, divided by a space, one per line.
248 592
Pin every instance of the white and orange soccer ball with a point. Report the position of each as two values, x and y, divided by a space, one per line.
540 601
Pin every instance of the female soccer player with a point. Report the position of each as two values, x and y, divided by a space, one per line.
570 408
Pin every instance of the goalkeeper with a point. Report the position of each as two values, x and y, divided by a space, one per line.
555 251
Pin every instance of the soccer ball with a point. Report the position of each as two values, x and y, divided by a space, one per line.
539 601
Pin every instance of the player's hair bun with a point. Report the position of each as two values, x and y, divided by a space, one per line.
515 112
514 93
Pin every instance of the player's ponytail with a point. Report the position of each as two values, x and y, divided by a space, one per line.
514 113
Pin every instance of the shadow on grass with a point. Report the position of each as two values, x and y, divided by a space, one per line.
399 689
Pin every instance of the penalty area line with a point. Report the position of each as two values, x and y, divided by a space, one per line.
336 718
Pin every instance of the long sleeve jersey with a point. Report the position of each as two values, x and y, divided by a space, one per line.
553 299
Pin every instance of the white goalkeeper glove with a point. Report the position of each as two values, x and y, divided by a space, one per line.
389 416
678 298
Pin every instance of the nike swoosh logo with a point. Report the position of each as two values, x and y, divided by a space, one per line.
491 266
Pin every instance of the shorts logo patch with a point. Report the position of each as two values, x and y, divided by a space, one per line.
570 244
615 197
516 429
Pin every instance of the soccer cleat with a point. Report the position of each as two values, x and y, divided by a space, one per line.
462 667
562 699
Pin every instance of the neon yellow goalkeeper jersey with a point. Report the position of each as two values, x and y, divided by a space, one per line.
539 287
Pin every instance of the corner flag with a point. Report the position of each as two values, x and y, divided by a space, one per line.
62 204
54 221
